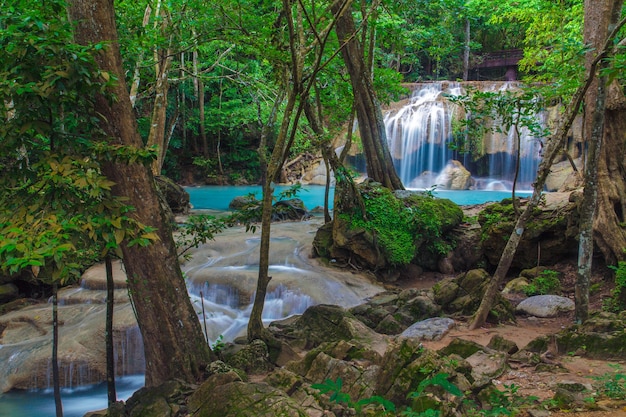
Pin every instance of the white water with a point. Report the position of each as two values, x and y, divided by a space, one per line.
420 134
225 270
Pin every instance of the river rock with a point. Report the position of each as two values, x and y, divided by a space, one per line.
291 209
455 176
430 329
243 201
545 306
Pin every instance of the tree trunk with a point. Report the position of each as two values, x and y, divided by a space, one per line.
108 333
599 18
466 50
158 122
173 342
371 124
609 232
552 149
56 381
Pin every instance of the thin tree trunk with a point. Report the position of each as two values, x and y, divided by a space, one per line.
173 341
553 148
158 122
134 86
108 333
55 352
466 50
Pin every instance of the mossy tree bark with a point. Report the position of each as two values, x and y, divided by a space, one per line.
174 345
600 18
610 216
369 115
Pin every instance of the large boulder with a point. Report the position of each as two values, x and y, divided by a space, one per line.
545 306
550 234
400 228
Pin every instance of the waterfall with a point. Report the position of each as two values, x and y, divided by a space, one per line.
420 133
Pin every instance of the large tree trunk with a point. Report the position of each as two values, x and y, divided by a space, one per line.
599 17
173 342
371 124
609 232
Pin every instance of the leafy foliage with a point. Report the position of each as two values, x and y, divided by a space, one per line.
546 283
57 211
612 384
334 389
617 302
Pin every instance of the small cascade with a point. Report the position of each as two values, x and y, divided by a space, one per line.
419 136
128 351
226 313
72 374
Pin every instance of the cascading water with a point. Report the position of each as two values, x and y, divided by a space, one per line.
420 133
418 136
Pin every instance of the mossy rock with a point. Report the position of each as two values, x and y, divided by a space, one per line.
554 231
461 347
445 291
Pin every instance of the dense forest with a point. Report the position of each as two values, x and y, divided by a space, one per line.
99 97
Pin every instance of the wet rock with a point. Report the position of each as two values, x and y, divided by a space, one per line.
455 176
291 209
243 201
545 306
